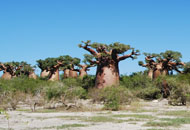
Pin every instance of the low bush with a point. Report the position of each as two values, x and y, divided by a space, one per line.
179 94
69 89
112 97
141 86
135 81
149 93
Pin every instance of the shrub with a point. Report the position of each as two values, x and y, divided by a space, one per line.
88 82
141 86
72 82
59 90
136 81
180 94
149 93
22 84
112 97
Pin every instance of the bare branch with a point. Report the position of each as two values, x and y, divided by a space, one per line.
86 47
93 62
3 66
145 65
181 72
133 53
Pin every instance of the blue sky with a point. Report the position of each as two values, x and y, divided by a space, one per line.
37 29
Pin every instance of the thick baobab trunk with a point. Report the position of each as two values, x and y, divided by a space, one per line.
54 76
32 75
107 76
66 73
44 73
158 71
165 72
82 73
6 75
156 74
165 89
150 73
73 74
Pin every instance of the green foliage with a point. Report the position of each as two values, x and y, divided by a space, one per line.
68 92
141 86
187 68
151 54
180 91
136 80
66 62
15 90
115 96
149 93
104 49
140 63
173 55
112 97
21 84
41 64
88 82
17 68
88 58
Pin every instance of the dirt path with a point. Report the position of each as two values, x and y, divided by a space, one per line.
156 115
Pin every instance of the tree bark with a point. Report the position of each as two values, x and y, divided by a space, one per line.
32 75
73 74
44 73
6 76
107 75
66 73
83 71
165 72
157 71
54 76
150 73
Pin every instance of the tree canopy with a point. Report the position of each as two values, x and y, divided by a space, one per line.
168 60
104 53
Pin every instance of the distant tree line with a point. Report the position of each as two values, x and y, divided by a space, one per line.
105 57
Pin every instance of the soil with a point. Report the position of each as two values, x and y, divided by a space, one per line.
133 117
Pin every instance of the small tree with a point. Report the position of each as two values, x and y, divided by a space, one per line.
107 58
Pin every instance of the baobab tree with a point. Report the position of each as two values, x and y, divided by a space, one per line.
150 64
107 58
27 70
10 69
74 62
69 65
163 63
17 69
169 61
84 67
7 71
42 64
50 68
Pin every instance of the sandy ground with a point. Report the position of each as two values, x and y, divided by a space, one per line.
135 117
